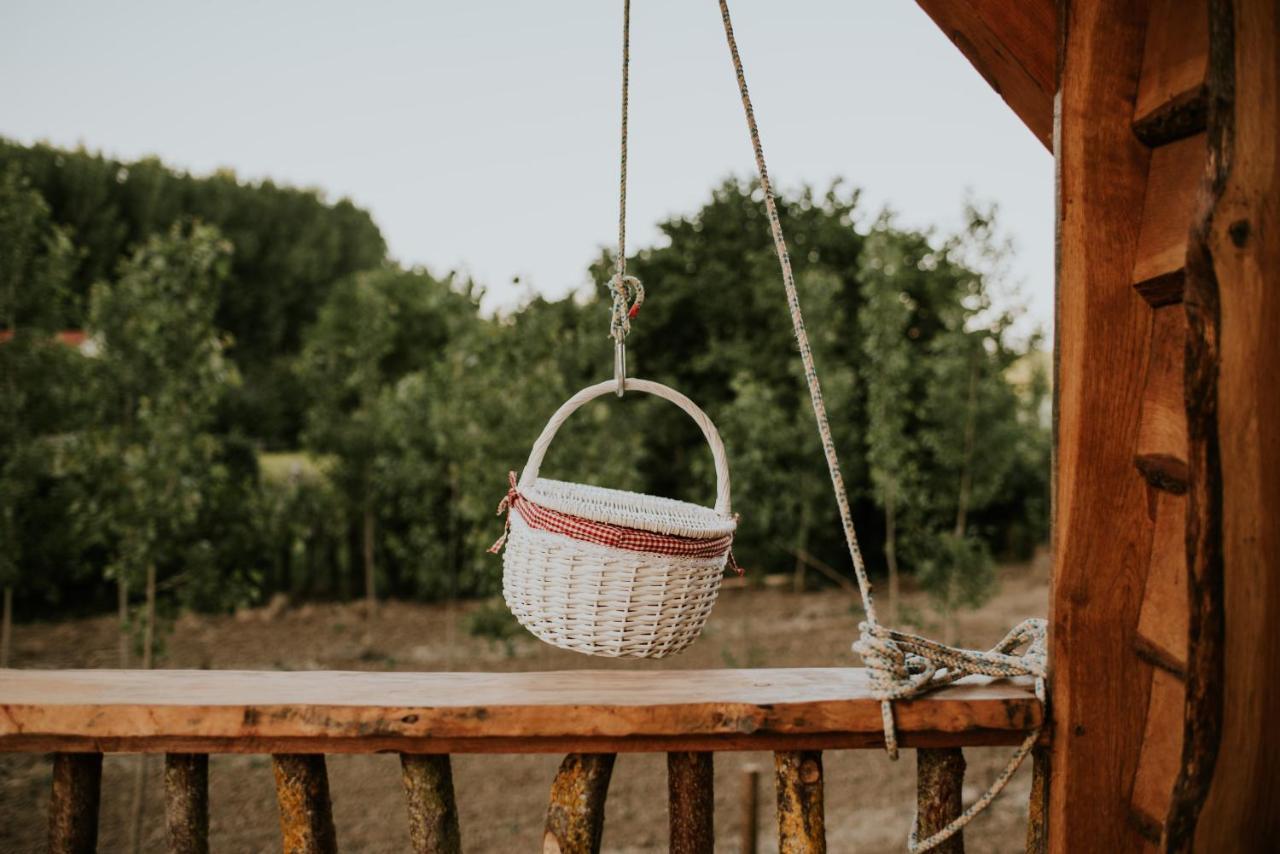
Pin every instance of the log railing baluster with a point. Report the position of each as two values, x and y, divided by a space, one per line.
691 803
801 828
939 781
73 804
433 811
306 813
575 816
1038 810
186 787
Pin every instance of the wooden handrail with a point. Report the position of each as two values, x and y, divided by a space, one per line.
185 711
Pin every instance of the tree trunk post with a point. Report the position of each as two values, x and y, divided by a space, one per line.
186 787
801 828
575 816
691 803
306 814
750 809
939 781
73 803
433 812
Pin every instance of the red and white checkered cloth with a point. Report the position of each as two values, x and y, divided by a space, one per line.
603 534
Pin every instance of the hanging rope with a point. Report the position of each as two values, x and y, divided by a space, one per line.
900 665
628 293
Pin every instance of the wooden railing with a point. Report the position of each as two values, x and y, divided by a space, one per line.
588 715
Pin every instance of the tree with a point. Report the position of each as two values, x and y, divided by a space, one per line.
36 259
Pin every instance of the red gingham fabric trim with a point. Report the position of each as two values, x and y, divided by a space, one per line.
603 534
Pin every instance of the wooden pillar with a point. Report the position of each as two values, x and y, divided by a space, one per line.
1102 529
73 804
801 829
433 813
1038 808
306 814
939 781
691 803
575 816
186 787
1226 798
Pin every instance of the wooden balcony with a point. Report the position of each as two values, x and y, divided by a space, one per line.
588 715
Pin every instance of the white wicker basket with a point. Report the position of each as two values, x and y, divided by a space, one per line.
608 601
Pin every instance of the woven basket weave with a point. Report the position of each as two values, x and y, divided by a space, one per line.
608 601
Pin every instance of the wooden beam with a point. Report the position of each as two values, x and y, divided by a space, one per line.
691 803
939 785
1172 98
1233 302
325 712
73 805
186 803
1013 47
801 822
575 816
433 812
306 812
1102 531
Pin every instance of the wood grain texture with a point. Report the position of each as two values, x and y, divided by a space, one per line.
306 812
799 787
1038 805
1102 531
433 811
73 804
1161 753
1234 409
1163 621
186 802
1012 45
237 711
691 803
1161 453
575 815
1172 98
1167 212
939 786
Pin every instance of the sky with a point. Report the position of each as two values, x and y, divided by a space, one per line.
483 136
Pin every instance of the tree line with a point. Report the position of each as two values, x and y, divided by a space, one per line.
263 402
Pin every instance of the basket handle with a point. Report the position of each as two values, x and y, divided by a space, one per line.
709 432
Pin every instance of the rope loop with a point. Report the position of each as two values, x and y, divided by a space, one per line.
628 296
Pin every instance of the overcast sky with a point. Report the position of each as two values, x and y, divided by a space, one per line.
483 135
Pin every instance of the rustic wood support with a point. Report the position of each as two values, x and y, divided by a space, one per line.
750 810
186 787
306 814
1172 101
433 812
1038 807
939 781
801 828
73 804
691 802
1159 269
575 816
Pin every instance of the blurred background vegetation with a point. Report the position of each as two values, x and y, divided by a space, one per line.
214 391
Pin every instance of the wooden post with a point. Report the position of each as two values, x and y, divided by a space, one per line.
939 781
575 816
433 813
306 814
73 804
691 803
750 809
800 818
1038 808
186 786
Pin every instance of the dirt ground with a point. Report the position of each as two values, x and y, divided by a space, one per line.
502 799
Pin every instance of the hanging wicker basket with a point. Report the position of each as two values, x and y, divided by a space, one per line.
608 572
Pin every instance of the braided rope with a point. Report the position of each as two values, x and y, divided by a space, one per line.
900 665
628 293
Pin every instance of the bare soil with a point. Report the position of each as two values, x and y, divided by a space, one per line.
502 799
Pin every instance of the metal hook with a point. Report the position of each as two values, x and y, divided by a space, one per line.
620 365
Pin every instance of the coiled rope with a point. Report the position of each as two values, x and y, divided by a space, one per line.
900 665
